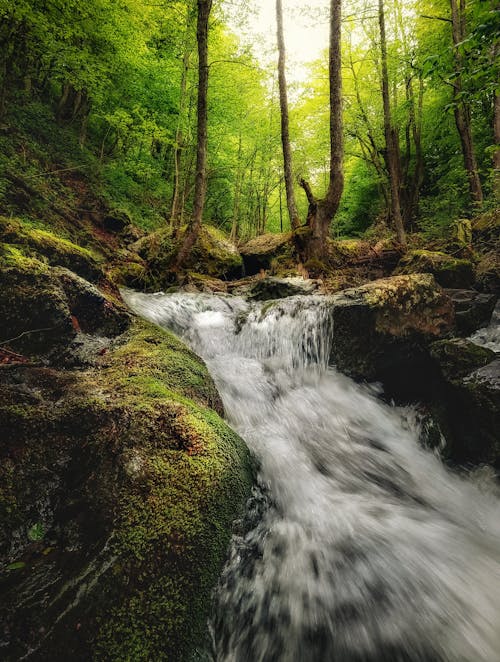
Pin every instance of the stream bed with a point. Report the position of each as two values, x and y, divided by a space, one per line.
358 544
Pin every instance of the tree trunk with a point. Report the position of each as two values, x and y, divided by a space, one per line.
285 130
193 229
391 142
175 214
322 212
496 153
462 108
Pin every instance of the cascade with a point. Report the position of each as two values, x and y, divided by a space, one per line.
358 544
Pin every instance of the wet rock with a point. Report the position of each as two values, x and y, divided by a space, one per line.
473 309
447 270
471 398
458 357
279 288
118 486
381 330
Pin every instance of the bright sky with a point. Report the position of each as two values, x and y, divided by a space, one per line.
306 35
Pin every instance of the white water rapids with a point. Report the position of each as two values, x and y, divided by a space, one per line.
359 546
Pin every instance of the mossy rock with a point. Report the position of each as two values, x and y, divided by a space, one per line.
212 255
447 270
487 225
43 307
458 357
381 329
119 485
269 252
56 250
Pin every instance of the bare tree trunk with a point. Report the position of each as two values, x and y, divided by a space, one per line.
175 214
322 212
193 229
462 108
496 153
285 129
237 194
391 142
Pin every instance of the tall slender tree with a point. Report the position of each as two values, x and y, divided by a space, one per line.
285 128
391 137
193 229
322 212
461 106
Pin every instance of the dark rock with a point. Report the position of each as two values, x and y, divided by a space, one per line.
470 394
33 308
447 270
42 307
473 309
488 272
458 357
265 252
382 329
92 311
116 221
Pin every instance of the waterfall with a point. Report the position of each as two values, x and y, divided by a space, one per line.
358 545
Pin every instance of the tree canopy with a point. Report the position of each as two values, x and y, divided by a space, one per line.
123 78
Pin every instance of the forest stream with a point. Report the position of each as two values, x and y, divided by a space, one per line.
358 544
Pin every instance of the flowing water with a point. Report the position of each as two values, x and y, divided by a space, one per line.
358 544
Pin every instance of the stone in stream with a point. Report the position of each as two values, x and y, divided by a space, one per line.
381 330
473 309
471 394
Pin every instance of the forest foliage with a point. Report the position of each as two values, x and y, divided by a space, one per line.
110 87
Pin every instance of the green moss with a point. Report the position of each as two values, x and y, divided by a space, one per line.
174 517
155 476
448 271
36 242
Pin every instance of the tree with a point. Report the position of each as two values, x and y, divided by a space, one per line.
391 137
461 106
285 130
193 229
321 212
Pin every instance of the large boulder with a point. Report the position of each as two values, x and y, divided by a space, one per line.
447 270
212 255
470 393
268 252
118 487
264 289
381 330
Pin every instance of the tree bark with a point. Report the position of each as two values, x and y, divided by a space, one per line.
496 153
193 229
175 214
285 128
391 142
321 212
462 108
